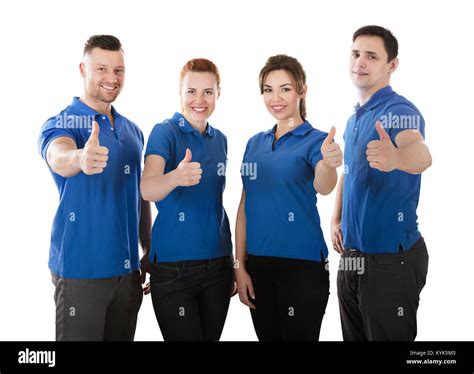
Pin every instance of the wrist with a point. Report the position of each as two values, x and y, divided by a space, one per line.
398 162
336 218
173 179
239 266
76 158
326 166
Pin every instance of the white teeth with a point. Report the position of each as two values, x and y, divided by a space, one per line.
110 88
278 107
200 110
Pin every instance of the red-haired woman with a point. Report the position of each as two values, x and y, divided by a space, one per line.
191 250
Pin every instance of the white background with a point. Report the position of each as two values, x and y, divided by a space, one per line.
41 46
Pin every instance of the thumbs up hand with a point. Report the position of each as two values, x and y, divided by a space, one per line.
93 158
332 154
382 154
94 136
188 173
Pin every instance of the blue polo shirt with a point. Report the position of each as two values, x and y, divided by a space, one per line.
379 208
191 223
280 200
95 229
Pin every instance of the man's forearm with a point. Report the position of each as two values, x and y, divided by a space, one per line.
414 158
63 159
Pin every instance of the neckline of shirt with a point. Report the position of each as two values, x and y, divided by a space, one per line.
187 128
376 98
300 130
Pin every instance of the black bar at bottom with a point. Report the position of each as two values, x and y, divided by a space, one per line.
430 357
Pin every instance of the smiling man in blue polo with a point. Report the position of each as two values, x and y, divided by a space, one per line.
375 220
94 155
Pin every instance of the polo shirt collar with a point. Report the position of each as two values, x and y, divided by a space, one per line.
301 130
83 108
376 98
187 128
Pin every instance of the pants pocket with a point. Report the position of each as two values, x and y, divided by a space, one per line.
162 275
420 267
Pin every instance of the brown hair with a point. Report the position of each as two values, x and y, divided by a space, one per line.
293 67
107 42
200 65
389 41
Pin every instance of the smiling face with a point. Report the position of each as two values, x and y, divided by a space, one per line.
281 97
199 93
104 73
370 71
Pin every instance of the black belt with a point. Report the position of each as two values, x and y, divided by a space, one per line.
195 263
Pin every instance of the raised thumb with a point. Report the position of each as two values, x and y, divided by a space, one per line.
381 131
330 136
95 133
188 157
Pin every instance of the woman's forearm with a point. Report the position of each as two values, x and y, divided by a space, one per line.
156 188
241 235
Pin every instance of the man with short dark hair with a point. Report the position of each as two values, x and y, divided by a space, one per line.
375 223
94 155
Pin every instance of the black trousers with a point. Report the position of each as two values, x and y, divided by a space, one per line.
290 297
97 309
191 298
379 294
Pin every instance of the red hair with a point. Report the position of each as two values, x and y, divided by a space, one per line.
200 65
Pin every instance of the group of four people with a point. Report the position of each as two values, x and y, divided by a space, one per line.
280 270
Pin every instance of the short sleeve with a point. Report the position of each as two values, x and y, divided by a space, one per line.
243 160
160 142
402 117
246 149
50 131
142 138
224 140
315 153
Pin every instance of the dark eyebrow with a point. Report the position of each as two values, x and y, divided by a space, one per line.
284 84
368 52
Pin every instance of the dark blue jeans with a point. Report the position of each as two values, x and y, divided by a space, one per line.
191 298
